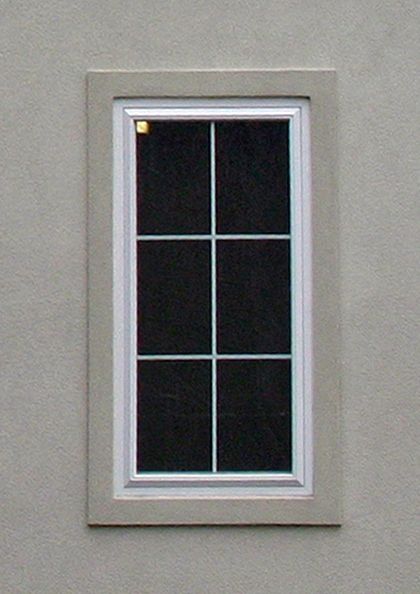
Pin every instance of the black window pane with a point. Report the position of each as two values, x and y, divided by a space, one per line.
173 178
253 296
254 421
252 160
174 416
174 297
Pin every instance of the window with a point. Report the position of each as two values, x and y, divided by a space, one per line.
210 333
214 308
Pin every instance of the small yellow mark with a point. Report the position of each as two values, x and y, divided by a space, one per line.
142 127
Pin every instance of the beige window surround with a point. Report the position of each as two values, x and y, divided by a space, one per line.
113 500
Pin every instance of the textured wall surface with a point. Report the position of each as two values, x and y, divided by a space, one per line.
45 50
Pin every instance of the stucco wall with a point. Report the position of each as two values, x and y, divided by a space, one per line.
45 50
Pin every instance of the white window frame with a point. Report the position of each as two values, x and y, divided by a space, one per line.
310 493
127 480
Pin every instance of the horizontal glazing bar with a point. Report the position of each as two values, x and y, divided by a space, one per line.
172 237
208 237
173 357
238 357
256 356
232 236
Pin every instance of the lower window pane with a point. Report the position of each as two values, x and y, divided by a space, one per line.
254 421
174 416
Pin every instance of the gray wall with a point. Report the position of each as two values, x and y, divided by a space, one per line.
45 50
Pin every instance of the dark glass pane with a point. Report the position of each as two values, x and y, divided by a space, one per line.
253 296
173 297
252 177
174 416
254 421
173 178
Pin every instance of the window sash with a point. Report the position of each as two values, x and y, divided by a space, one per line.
296 111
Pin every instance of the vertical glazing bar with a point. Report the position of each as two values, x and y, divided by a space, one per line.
213 292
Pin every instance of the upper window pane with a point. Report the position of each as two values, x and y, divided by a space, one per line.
252 161
173 178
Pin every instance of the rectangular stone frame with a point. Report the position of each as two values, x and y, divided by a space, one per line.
324 507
